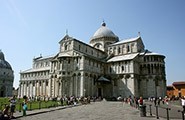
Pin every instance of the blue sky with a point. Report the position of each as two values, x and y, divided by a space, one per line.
31 28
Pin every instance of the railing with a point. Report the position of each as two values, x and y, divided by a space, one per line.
151 108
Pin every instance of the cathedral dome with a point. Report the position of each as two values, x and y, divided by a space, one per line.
103 31
3 62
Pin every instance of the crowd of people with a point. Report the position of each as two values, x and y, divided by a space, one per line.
136 102
9 110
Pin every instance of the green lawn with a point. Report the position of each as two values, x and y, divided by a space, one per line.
31 105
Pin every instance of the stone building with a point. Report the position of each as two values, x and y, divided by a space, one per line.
177 89
106 67
6 77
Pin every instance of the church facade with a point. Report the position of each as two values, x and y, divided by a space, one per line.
106 67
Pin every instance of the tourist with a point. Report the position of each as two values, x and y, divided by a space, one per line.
155 101
12 106
136 102
140 101
166 100
5 113
183 103
61 101
25 107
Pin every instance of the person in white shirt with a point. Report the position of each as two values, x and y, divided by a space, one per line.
183 103
12 106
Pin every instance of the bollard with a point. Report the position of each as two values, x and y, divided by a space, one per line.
182 114
167 110
30 105
157 116
46 104
150 109
39 104
20 107
1 106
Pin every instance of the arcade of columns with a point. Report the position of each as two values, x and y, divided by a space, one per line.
60 86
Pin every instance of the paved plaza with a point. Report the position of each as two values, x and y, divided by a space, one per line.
95 111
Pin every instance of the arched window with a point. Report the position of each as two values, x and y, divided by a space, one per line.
65 47
128 48
110 69
122 68
86 50
119 50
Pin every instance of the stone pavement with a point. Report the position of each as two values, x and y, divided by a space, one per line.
103 110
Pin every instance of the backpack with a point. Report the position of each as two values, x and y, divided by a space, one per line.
25 107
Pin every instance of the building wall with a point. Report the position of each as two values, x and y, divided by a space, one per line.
180 89
6 82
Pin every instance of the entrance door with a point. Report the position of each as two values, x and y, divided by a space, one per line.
2 93
99 92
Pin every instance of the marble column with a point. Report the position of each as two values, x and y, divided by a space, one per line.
62 87
22 90
44 87
35 88
25 88
28 89
71 86
38 90
76 85
49 87
31 89
56 87
82 84
41 88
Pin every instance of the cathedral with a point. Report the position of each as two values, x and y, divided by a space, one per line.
106 67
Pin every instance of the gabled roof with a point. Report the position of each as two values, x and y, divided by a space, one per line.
150 53
178 83
66 37
123 57
36 70
43 58
103 79
64 55
127 40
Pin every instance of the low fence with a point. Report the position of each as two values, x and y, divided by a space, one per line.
32 105
159 109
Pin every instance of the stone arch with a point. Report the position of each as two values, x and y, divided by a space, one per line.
74 74
86 74
3 91
98 45
79 74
